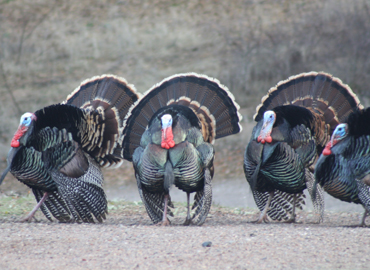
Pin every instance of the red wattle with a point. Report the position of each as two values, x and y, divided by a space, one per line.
15 143
327 151
18 134
167 138
269 139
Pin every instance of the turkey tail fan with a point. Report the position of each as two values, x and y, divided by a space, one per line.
105 100
212 102
318 91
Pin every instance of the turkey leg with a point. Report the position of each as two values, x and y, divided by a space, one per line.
165 221
263 217
188 219
292 217
32 213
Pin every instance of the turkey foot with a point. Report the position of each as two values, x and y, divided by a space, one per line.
187 222
362 224
29 218
164 223
293 216
291 219
263 217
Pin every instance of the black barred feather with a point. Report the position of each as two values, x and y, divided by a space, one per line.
294 122
201 110
281 207
27 166
317 195
344 173
202 200
54 206
84 195
154 205
62 147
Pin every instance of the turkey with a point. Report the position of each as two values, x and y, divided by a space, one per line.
343 169
169 136
294 122
58 150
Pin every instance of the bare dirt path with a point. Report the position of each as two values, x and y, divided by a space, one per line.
127 240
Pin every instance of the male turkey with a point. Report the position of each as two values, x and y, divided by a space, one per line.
343 169
294 122
58 150
169 136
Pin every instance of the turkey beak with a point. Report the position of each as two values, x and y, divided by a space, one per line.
266 127
333 139
165 133
268 123
166 124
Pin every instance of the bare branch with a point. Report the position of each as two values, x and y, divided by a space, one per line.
9 90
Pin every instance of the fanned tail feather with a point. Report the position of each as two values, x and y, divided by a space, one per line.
324 94
105 101
212 102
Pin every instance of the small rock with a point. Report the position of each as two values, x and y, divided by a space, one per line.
207 244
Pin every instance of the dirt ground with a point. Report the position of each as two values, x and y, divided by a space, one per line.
128 240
